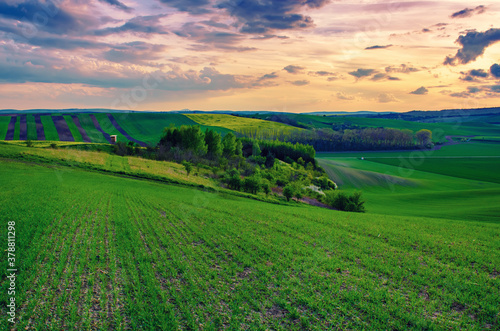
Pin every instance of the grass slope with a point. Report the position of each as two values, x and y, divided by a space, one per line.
438 185
239 124
148 127
101 252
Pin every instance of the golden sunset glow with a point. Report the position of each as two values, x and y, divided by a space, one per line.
294 56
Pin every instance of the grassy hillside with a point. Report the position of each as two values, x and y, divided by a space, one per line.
453 182
439 130
240 124
101 252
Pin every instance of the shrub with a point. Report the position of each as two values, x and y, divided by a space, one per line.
343 201
252 184
288 192
29 143
53 145
188 166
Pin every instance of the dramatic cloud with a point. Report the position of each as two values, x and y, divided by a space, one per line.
293 69
495 70
261 17
473 45
141 25
474 75
211 39
468 12
118 4
46 16
300 82
360 73
420 91
378 47
195 7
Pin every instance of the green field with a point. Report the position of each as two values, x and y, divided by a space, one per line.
148 127
249 126
94 135
102 252
437 183
439 130
4 124
49 128
74 130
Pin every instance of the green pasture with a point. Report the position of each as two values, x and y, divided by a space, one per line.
103 252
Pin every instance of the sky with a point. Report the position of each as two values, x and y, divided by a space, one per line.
260 55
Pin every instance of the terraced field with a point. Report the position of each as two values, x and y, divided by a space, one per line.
102 252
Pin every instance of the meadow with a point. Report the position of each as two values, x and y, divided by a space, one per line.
102 252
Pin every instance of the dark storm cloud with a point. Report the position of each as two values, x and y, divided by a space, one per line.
118 4
360 73
473 45
378 47
143 25
195 7
260 17
495 70
420 91
293 69
467 12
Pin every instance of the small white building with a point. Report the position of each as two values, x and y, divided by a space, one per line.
113 139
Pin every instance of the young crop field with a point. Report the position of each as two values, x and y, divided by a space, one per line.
103 252
4 125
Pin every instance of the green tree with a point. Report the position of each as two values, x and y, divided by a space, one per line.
252 184
256 149
213 142
238 148
229 144
29 143
424 137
